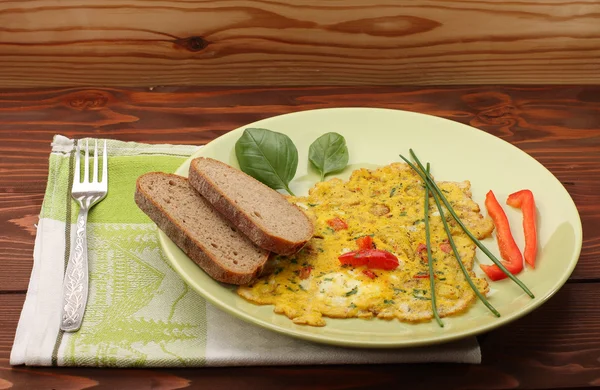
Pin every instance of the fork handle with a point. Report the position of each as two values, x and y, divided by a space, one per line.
75 283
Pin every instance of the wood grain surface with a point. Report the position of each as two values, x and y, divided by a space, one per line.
298 42
558 345
559 126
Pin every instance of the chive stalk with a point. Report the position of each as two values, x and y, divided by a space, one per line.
430 258
434 188
458 258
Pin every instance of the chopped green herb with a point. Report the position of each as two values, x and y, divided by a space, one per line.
294 261
328 279
352 292
422 298
301 288
352 306
420 294
398 290
418 221
389 301
392 192
446 191
403 214
330 229
278 270
313 204
289 288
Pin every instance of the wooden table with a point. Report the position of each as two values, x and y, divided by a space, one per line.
556 346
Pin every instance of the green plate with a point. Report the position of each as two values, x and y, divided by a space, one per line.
457 152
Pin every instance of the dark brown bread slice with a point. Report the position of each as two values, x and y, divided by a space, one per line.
210 240
260 212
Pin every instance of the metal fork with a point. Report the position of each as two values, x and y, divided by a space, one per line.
87 194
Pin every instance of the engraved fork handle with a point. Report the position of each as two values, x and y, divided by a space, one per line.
75 283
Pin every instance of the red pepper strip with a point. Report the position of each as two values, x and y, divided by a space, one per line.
337 224
369 273
305 272
372 258
365 242
525 201
422 251
508 248
445 246
419 276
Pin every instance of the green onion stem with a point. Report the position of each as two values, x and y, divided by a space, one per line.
437 190
430 258
458 258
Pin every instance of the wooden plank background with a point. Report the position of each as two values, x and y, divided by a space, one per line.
298 42
559 126
556 346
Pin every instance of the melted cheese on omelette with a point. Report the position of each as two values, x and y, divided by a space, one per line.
387 204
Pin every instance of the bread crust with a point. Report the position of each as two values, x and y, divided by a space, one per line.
191 246
238 216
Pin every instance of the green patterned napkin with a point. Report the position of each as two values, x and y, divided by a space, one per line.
139 312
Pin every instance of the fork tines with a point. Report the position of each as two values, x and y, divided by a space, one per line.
86 166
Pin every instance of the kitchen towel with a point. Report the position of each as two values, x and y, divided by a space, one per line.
140 312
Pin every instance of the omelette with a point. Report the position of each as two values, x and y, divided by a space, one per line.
386 205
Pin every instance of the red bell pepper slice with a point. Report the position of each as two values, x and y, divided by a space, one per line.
422 252
524 200
369 273
445 246
305 272
372 258
337 224
508 247
365 242
423 276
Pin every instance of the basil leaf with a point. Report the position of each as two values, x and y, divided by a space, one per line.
267 156
329 153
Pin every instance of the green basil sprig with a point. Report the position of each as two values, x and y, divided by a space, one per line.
329 153
268 156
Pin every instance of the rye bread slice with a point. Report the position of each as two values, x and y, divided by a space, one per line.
261 213
210 240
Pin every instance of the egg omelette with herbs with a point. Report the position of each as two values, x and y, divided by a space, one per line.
386 204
